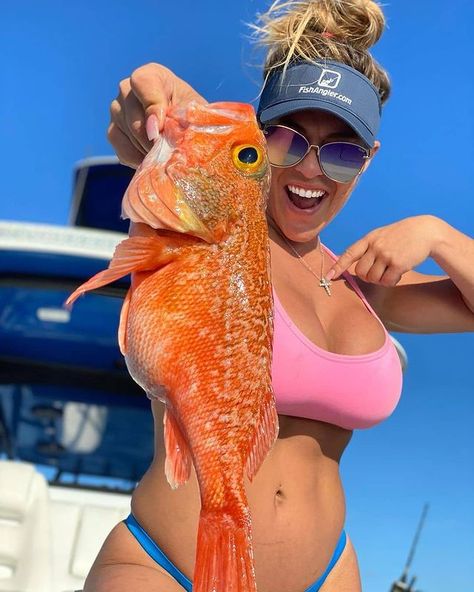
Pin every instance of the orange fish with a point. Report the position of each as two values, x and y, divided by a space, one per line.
196 325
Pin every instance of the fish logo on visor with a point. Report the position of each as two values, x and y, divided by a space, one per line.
329 79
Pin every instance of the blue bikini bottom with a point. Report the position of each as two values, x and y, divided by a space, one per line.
154 551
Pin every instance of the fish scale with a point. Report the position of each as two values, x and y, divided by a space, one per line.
196 325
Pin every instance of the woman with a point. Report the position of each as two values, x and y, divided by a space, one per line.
334 367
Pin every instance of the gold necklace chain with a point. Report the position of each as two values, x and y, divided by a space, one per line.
323 282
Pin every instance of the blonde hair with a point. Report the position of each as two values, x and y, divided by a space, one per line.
313 30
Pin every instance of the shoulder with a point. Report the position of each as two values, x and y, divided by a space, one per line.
380 297
374 293
419 303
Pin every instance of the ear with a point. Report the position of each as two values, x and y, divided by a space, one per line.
373 152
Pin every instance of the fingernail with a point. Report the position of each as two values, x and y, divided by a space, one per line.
330 274
152 128
161 118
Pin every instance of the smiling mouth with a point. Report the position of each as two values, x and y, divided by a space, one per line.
305 199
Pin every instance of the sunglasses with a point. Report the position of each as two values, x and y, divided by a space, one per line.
339 161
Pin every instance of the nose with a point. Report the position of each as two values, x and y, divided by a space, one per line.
309 166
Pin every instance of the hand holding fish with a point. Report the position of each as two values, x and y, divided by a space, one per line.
386 253
137 115
196 325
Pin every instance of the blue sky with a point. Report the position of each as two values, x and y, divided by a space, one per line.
61 63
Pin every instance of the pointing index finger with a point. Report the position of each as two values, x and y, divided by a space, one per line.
350 255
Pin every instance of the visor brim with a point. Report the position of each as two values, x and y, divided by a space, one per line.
283 108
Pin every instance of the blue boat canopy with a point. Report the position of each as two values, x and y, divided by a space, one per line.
99 185
66 398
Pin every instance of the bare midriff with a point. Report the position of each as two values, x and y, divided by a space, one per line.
296 500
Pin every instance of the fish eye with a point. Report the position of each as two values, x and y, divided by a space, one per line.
247 158
248 155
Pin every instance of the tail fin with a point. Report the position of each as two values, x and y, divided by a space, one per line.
224 557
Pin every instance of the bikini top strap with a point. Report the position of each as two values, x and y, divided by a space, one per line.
353 283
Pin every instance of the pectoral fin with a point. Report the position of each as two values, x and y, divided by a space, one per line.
178 456
122 332
266 432
137 253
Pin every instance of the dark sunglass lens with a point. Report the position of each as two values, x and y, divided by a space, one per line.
341 161
285 146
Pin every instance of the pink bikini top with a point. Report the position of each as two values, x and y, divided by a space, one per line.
350 391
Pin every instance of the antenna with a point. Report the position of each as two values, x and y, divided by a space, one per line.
401 584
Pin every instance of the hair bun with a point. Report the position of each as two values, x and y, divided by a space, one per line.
359 23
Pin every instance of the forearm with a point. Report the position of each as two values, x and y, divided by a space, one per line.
454 253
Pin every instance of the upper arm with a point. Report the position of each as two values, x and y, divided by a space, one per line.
420 303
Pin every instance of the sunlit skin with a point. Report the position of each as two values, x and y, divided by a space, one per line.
300 226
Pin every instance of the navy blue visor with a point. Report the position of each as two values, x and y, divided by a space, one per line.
328 86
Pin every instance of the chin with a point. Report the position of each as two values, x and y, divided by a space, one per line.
299 231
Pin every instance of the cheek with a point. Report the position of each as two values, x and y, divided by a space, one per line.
340 197
278 181
275 186
343 193
275 175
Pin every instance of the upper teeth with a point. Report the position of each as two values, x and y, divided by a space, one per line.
306 192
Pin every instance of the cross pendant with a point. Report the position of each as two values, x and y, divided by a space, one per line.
326 285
